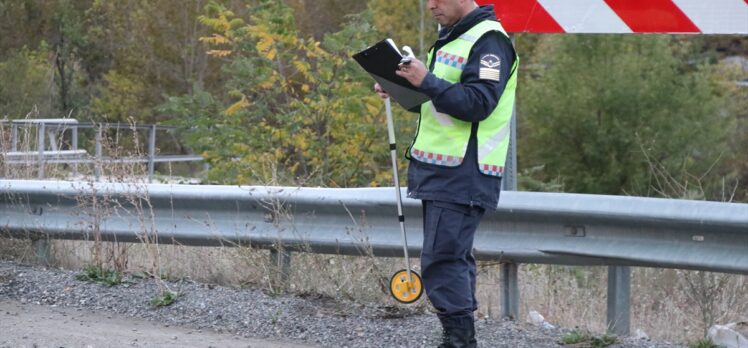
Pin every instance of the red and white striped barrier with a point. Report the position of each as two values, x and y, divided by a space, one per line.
623 16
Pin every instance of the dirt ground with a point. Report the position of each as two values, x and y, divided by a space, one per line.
29 325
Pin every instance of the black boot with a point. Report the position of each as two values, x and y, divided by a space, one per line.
458 333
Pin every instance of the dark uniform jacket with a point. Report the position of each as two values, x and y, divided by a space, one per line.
472 100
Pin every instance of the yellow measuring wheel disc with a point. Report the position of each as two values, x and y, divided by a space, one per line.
406 290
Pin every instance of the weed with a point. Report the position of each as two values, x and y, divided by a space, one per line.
100 275
604 340
708 290
586 339
164 299
140 275
704 343
275 317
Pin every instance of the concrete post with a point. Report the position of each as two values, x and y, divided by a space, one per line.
619 300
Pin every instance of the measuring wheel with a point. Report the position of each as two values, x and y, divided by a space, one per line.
405 286
404 290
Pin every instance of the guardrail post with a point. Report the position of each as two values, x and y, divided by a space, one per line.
619 300
74 135
151 152
509 179
97 166
42 250
40 149
509 291
280 259
52 135
509 276
14 137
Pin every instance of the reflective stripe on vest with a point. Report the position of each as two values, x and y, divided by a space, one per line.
442 139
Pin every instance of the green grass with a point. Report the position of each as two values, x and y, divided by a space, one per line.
166 298
703 343
585 339
100 275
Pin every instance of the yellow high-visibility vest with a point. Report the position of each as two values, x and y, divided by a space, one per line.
442 139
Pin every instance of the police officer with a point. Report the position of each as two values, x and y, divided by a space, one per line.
458 154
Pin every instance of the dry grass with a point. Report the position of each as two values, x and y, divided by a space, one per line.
116 143
353 278
17 249
663 305
667 304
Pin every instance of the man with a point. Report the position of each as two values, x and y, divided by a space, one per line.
458 154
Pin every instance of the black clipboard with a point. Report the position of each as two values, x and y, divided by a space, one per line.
381 61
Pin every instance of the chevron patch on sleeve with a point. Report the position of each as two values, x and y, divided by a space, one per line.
490 67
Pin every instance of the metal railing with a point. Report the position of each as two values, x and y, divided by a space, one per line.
548 228
49 131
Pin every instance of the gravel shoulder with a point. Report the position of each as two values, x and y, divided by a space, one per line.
49 303
31 325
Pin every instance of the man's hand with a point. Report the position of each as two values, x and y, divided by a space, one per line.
414 72
380 91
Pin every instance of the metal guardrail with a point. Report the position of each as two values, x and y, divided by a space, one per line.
55 158
528 227
52 130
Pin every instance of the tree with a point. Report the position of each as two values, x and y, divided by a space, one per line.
295 110
407 22
734 186
319 17
68 24
24 83
598 110
56 26
140 51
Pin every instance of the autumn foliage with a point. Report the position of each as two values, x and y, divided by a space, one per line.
296 110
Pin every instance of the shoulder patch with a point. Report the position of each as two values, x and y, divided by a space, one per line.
491 61
490 67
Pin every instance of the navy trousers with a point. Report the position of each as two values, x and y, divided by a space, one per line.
447 261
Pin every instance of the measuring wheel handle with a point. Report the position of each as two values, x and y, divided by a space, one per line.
404 290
